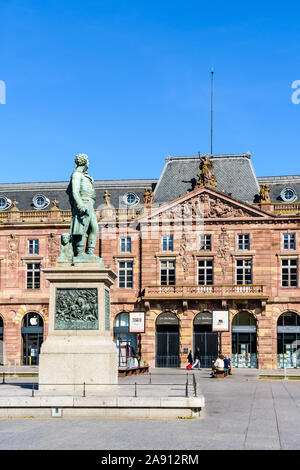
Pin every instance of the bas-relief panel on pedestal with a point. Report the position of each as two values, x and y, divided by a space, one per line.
76 309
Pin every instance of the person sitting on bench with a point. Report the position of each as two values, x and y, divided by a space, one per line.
227 363
218 366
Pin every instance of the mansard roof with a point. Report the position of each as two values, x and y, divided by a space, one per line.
24 192
279 183
234 173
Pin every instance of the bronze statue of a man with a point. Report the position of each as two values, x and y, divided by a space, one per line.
82 197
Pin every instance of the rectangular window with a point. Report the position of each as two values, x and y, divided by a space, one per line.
289 273
289 241
33 275
33 247
244 271
205 242
244 242
167 243
126 274
125 245
167 273
205 272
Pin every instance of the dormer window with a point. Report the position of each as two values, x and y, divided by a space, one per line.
130 199
40 201
288 195
5 203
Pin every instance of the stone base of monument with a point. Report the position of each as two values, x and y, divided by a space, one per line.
79 350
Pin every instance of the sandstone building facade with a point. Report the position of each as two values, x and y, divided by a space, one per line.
207 235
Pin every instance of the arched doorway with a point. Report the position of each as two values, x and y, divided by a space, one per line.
2 358
126 342
244 341
32 336
205 339
167 340
288 341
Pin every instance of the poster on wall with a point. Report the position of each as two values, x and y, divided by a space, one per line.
137 322
220 320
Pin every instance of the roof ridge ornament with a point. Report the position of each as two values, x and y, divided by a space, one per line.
206 177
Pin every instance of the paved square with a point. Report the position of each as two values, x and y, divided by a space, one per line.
242 412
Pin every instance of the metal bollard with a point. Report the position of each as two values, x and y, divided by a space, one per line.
83 389
135 390
3 378
187 388
32 392
150 378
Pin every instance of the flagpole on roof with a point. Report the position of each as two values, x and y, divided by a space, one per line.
212 111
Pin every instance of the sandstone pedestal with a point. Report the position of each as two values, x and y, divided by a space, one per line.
79 348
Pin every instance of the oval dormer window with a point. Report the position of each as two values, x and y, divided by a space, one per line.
40 201
130 199
5 203
288 195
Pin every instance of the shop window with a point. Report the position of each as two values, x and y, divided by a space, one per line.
288 341
32 336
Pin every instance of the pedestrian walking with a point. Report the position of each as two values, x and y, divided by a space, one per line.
190 358
196 359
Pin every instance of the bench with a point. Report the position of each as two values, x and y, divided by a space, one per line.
220 374
125 371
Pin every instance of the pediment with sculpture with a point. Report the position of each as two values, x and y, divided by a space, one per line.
204 203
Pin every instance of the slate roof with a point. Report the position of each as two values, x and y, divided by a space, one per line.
234 173
24 192
278 183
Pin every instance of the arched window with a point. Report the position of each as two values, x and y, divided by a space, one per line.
288 341
126 342
32 336
244 340
167 340
244 319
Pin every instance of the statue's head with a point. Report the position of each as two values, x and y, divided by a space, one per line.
65 238
82 160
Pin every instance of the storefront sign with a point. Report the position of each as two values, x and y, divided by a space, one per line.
167 318
244 329
203 318
137 322
220 320
288 329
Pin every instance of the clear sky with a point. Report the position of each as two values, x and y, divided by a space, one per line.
128 83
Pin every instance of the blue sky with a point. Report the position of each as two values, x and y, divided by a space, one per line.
128 83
